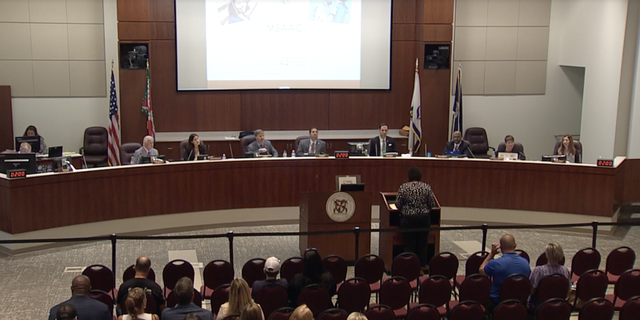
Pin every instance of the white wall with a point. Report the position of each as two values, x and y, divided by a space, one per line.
61 121
634 121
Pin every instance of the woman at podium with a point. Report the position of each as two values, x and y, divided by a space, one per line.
414 200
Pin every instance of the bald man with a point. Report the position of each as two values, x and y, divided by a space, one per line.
86 308
501 268
458 146
146 150
142 269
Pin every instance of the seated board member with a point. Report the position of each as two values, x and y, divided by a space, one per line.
262 146
568 148
147 150
380 145
194 148
458 146
313 145
31 131
510 146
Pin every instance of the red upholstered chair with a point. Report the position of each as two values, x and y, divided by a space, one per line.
395 292
619 260
436 291
291 267
127 150
583 260
474 288
542 260
215 274
592 284
281 314
354 295
130 273
467 310
597 309
472 266
172 299
219 296
444 264
523 254
333 314
554 309
102 279
337 267
371 268
407 265
631 309
253 270
316 297
380 312
510 310
423 312
627 287
173 271
271 297
515 286
553 286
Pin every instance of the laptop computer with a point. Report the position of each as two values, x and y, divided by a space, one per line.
55 152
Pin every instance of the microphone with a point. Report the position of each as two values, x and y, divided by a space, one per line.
521 155
83 159
470 152
189 156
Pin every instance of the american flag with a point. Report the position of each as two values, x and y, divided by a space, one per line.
415 133
456 120
114 125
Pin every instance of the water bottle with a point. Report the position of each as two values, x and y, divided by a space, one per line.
224 156
284 154
293 153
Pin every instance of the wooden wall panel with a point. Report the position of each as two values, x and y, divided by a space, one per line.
162 10
134 10
132 120
221 111
403 32
132 31
163 31
434 11
347 106
435 108
6 119
434 33
285 110
404 11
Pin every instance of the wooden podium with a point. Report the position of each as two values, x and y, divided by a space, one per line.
391 243
314 217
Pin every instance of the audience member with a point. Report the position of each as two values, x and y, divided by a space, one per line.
271 270
252 312
135 302
66 312
147 150
142 268
239 299
312 273
458 146
25 147
185 306
380 145
302 312
86 307
554 254
262 146
313 145
414 200
31 131
356 316
192 316
500 269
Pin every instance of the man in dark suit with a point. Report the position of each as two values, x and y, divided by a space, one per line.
261 145
185 306
313 145
86 307
142 268
458 146
380 145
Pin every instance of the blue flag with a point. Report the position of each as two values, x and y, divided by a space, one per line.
456 120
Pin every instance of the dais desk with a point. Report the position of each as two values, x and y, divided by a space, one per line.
62 199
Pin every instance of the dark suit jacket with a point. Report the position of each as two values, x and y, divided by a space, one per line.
190 154
516 149
87 308
463 148
303 147
374 145
254 147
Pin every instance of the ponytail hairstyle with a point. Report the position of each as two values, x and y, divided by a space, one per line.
135 302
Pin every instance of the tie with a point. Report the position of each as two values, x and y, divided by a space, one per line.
149 153
313 147
455 147
384 146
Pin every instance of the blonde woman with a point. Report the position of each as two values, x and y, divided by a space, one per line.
568 149
135 302
252 312
302 313
356 316
239 299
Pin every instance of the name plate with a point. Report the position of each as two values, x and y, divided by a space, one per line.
341 154
16 174
604 163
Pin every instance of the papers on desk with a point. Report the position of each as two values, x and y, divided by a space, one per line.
393 206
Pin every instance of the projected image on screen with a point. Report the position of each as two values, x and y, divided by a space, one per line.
283 44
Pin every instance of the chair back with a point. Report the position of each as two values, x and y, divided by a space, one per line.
336 266
554 309
597 309
435 290
380 312
515 286
395 292
472 266
219 296
476 288
542 260
215 274
298 139
516 146
523 254
173 271
316 297
444 264
291 267
271 297
101 278
478 140
333 314
130 273
172 299
583 260
95 141
510 310
281 314
370 267
628 285
592 284
406 265
576 145
102 297
631 309
253 270
423 311
553 286
184 145
354 295
620 260
127 150
467 310
245 142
